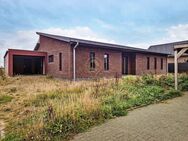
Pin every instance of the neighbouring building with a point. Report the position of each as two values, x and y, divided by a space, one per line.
169 49
72 58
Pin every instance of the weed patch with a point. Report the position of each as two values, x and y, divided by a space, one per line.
68 108
5 99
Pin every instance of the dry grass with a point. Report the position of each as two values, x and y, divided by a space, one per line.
43 108
28 88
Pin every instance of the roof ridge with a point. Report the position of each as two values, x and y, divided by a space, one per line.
87 40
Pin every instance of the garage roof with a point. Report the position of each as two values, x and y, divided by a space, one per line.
166 48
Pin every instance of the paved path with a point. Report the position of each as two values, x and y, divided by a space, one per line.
159 122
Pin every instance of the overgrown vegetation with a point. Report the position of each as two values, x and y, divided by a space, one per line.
2 74
49 109
5 99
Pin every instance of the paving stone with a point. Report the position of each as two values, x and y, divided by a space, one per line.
159 122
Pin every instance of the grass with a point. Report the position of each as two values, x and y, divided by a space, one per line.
5 98
43 108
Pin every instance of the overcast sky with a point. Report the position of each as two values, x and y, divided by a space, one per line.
137 23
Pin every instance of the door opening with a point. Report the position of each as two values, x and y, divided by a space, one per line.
125 65
27 65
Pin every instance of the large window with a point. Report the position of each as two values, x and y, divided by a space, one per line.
50 58
106 61
148 63
155 63
161 63
92 60
60 61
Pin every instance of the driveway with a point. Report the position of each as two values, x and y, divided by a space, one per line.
166 121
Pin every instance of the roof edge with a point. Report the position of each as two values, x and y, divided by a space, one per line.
176 42
97 43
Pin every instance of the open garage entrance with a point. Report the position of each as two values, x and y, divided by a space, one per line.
27 65
24 62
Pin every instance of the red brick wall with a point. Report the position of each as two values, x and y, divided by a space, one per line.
141 64
83 68
54 47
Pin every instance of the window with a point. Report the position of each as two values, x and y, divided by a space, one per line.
60 61
92 60
155 63
50 58
106 61
148 63
161 63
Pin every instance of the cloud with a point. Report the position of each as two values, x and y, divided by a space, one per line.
176 33
78 32
27 39
171 34
105 25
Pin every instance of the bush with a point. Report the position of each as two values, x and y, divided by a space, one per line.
183 82
184 86
149 79
171 94
166 81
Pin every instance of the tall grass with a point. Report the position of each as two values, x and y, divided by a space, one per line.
55 110
2 74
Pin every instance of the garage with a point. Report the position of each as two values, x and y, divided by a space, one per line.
27 65
22 62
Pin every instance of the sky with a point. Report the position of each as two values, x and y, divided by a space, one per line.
138 23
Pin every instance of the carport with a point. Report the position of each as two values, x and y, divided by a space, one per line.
179 50
22 62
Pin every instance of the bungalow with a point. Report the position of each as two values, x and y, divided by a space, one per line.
72 58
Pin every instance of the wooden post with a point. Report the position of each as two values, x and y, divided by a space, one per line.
176 69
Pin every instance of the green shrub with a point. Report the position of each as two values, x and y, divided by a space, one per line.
183 77
119 109
116 105
5 99
183 82
144 95
166 81
184 86
149 79
171 94
106 111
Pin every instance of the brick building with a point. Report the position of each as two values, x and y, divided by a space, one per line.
72 58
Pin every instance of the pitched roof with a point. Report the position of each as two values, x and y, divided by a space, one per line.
95 43
166 48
